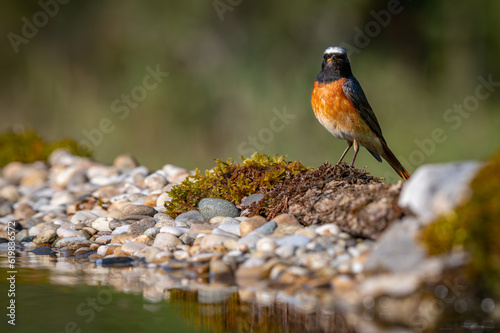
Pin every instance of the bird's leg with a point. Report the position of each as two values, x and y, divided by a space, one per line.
356 149
349 145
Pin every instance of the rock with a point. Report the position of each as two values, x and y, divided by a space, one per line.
133 209
131 247
10 192
66 232
174 230
61 198
286 219
210 207
45 236
328 229
151 200
152 232
125 163
5 208
397 249
164 241
192 215
294 240
163 199
156 180
174 174
83 233
220 272
122 239
82 216
102 223
22 235
285 251
266 229
436 189
124 229
139 227
13 172
23 211
61 242
210 242
115 262
266 244
232 228
256 197
251 224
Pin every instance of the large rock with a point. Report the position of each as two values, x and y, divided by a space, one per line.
436 189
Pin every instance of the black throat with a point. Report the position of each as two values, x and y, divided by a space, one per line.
333 71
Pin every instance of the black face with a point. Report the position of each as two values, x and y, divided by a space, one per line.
335 64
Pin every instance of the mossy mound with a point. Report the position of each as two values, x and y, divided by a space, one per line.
231 181
28 147
475 226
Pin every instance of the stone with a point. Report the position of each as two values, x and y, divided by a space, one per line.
151 200
102 223
83 233
156 180
192 215
397 250
82 216
267 228
66 232
211 207
152 232
10 192
23 211
45 236
130 248
174 230
434 190
209 242
133 209
5 208
125 162
256 197
294 240
251 224
163 199
232 228
266 244
115 262
328 229
139 227
164 241
61 242
121 239
124 229
220 272
286 219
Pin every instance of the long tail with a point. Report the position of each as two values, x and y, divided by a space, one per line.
394 163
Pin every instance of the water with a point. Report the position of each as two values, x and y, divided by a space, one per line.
56 294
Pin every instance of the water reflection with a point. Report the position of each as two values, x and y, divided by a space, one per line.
218 307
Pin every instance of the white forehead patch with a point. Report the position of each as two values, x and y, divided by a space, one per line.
335 50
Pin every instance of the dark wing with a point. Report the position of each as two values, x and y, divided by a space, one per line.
357 97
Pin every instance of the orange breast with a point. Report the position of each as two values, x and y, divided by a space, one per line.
337 114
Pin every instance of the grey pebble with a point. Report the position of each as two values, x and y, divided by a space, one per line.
133 209
211 207
192 215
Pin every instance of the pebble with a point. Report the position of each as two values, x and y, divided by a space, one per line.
115 262
232 228
251 224
286 219
165 240
23 211
211 207
209 242
45 236
329 229
192 215
133 209
121 229
82 215
102 223
141 226
174 230
130 248
66 232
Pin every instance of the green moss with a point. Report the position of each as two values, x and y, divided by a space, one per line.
474 226
28 147
231 181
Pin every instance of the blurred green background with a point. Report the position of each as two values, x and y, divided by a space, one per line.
230 63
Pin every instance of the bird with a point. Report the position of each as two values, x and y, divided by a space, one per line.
341 106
